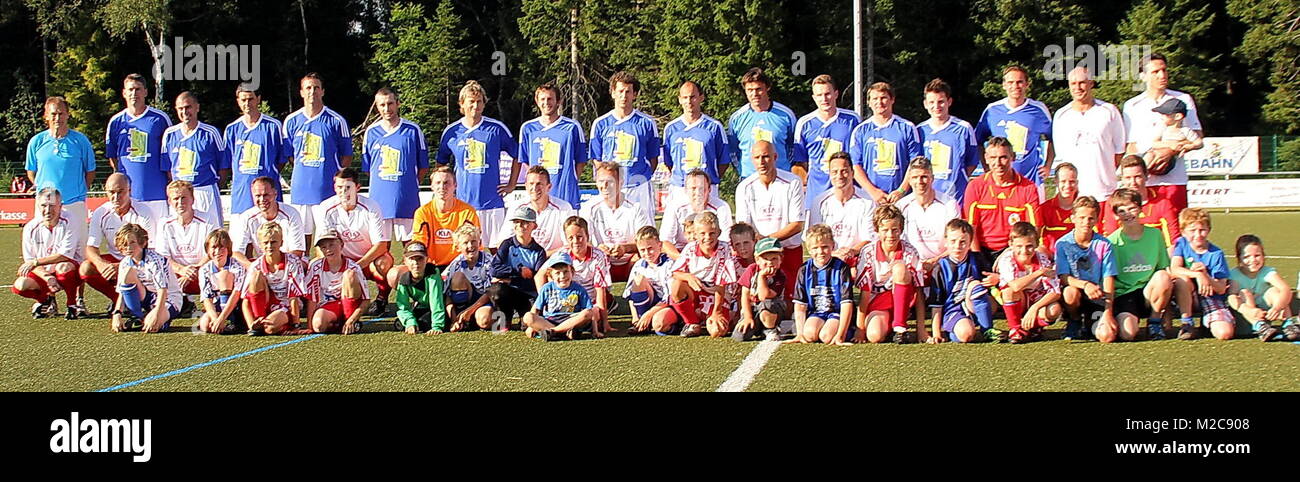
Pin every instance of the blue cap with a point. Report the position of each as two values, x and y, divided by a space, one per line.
558 258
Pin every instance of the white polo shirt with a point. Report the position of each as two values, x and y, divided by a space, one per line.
550 224
243 231
105 222
359 229
770 207
670 230
1144 126
614 226
1090 140
849 220
40 241
184 243
924 226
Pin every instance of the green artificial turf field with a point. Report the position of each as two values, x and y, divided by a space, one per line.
82 355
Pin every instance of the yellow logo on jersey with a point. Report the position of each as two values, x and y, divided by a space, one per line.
694 157
475 156
940 158
886 155
761 134
390 163
1018 135
139 144
550 154
624 148
313 150
185 163
829 148
250 157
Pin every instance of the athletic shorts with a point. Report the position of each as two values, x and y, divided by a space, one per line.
1134 303
151 299
336 307
776 306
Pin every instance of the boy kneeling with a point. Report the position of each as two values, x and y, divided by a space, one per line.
1030 289
420 302
823 291
337 294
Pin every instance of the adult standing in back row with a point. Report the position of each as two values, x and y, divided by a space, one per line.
322 144
763 119
629 137
474 145
1023 122
1143 126
133 145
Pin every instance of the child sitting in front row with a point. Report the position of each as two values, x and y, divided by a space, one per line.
888 274
220 281
823 291
147 290
961 285
1085 264
468 278
700 278
421 305
762 294
1200 273
1030 288
647 282
562 306
1259 293
274 287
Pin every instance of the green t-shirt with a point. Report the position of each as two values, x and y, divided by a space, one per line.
1138 259
1256 285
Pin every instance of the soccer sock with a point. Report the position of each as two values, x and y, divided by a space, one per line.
108 288
641 301
903 295
1155 321
258 303
39 295
686 310
350 306
71 283
131 300
983 312
223 298
1186 320
1014 314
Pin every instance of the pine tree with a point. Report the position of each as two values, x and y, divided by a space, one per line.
422 58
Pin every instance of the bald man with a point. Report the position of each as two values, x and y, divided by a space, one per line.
771 200
99 270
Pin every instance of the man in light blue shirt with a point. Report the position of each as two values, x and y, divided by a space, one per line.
63 159
763 119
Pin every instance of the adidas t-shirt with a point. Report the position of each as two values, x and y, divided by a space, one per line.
1138 259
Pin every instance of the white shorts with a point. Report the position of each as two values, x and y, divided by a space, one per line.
491 222
644 197
159 208
207 204
677 196
79 220
399 229
308 214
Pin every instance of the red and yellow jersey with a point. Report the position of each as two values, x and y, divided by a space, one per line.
992 209
1158 212
1056 223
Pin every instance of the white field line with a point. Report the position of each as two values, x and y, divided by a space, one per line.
748 369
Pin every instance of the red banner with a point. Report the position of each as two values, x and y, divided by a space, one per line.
20 210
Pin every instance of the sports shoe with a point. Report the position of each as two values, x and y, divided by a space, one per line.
1266 332
75 312
1072 329
692 330
187 307
377 308
131 322
1292 332
1187 332
994 335
771 334
900 337
1156 332
738 334
1018 336
546 335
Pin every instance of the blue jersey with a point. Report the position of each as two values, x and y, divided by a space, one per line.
1216 264
775 125
394 160
195 157
951 150
252 153
136 143
1023 127
883 152
559 147
631 142
61 163
318 144
951 278
556 301
476 154
823 288
512 257
702 145
1091 264
815 141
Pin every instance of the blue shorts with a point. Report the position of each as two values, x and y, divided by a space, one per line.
642 301
150 299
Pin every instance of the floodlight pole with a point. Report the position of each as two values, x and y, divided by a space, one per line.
857 56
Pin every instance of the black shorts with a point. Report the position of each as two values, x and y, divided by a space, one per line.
1134 303
988 258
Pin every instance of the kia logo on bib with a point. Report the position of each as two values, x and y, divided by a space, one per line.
350 235
443 233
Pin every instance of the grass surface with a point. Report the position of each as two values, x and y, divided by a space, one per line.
81 355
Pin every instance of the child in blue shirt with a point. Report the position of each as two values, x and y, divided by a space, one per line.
1085 262
962 284
1200 272
563 306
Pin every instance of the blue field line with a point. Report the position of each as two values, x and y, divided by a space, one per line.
207 363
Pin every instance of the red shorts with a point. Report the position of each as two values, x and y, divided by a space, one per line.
619 272
45 287
791 260
883 301
191 288
336 307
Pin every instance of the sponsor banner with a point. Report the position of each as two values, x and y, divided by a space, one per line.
20 210
1224 155
1243 193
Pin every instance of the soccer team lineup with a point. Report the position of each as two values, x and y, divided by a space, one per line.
843 230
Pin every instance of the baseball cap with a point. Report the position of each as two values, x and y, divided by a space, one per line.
557 259
331 234
767 245
416 249
1171 106
524 213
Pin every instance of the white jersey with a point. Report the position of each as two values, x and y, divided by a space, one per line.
208 284
591 273
243 231
850 221
286 282
671 230
550 224
155 273
105 222
1090 140
183 243
359 228
614 226
479 275
1143 127
770 207
40 241
324 286
924 227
